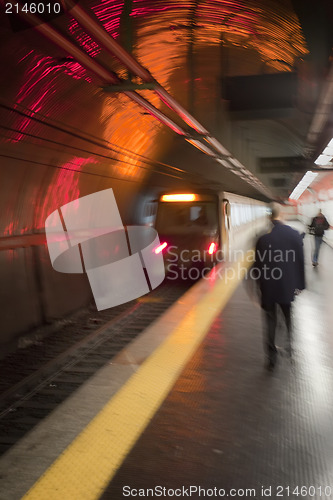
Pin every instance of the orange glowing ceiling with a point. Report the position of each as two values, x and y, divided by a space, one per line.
187 46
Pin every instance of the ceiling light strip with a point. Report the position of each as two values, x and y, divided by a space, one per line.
326 157
303 184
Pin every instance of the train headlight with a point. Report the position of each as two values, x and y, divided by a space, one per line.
179 197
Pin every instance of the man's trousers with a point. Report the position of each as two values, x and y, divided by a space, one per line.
271 320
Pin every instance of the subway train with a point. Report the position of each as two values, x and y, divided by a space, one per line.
199 229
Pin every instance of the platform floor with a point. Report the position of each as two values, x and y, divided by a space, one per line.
229 424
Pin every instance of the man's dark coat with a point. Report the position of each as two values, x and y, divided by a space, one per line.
279 262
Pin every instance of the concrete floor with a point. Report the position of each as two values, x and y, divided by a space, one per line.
229 424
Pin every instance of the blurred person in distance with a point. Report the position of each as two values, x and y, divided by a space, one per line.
318 227
279 271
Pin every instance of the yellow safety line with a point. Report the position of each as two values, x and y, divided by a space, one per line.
84 469
149 299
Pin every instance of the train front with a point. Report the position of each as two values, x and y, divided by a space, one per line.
189 231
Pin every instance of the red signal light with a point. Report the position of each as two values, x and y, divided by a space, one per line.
212 248
160 247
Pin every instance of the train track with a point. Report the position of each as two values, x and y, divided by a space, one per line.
35 380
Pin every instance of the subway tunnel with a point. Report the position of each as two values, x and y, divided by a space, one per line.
249 77
147 97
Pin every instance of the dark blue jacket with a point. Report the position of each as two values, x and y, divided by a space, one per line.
279 264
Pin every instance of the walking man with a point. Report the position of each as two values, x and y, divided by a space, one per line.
318 226
279 264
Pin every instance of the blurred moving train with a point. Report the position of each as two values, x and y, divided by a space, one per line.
203 228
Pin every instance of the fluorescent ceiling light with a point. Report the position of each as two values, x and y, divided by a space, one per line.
202 147
325 158
224 163
329 148
236 162
305 182
221 149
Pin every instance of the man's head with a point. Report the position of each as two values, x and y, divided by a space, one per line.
275 211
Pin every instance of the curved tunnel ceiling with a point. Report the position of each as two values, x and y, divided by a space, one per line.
64 135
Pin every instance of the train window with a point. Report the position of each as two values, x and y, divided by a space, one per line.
174 217
150 209
244 213
198 215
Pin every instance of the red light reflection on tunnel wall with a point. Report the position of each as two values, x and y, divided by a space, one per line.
40 79
12 227
89 45
63 189
34 79
108 13
9 229
40 84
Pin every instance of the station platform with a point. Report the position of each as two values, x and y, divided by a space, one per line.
188 409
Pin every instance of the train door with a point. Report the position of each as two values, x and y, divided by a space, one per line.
226 225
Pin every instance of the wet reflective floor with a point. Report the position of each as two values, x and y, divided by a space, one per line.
234 429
